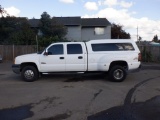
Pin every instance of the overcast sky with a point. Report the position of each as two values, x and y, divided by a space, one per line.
129 13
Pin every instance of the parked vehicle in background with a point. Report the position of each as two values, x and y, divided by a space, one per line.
113 56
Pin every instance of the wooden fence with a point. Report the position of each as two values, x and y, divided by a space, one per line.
9 52
150 53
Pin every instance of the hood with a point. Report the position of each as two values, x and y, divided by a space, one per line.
34 57
26 55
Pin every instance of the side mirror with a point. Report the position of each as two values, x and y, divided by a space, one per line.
45 53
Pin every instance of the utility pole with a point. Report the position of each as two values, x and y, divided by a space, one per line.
137 33
37 42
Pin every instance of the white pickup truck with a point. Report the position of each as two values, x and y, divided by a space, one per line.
115 57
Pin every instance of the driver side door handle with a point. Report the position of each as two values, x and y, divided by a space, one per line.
61 58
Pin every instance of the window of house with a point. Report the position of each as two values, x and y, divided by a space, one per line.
112 47
99 31
56 50
74 49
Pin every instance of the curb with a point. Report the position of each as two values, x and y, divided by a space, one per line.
154 66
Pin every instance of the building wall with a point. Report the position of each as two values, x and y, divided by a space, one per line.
74 33
89 33
78 33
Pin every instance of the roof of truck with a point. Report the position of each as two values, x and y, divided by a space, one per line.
111 41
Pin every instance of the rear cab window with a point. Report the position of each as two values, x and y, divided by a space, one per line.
74 49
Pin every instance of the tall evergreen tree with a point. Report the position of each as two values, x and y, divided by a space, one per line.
45 24
50 27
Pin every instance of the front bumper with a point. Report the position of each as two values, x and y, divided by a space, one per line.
16 68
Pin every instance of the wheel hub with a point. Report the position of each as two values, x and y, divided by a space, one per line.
118 74
29 74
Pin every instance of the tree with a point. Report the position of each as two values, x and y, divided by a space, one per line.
3 12
117 32
45 24
16 31
139 38
52 30
24 36
7 27
58 29
50 27
44 41
155 38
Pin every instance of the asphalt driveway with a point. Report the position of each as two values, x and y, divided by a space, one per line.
80 97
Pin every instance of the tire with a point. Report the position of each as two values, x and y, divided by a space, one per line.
117 73
40 74
29 73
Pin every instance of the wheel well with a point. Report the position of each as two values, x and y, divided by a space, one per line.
120 63
28 64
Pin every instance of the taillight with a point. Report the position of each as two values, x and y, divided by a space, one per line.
139 57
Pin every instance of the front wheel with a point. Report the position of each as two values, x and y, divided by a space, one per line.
29 73
117 73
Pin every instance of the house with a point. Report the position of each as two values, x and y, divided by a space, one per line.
95 28
82 29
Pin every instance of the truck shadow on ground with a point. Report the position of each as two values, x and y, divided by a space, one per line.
148 110
86 77
54 77
75 77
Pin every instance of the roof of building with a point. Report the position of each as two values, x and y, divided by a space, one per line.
68 20
34 22
88 22
75 21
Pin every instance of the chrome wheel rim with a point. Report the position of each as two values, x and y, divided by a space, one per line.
118 74
29 74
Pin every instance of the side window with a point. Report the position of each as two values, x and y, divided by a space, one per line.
112 47
74 49
128 46
56 50
104 47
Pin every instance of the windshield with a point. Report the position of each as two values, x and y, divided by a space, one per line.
44 49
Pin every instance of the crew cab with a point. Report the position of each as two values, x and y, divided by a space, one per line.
115 57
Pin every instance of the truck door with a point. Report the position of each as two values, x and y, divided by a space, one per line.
55 60
75 57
